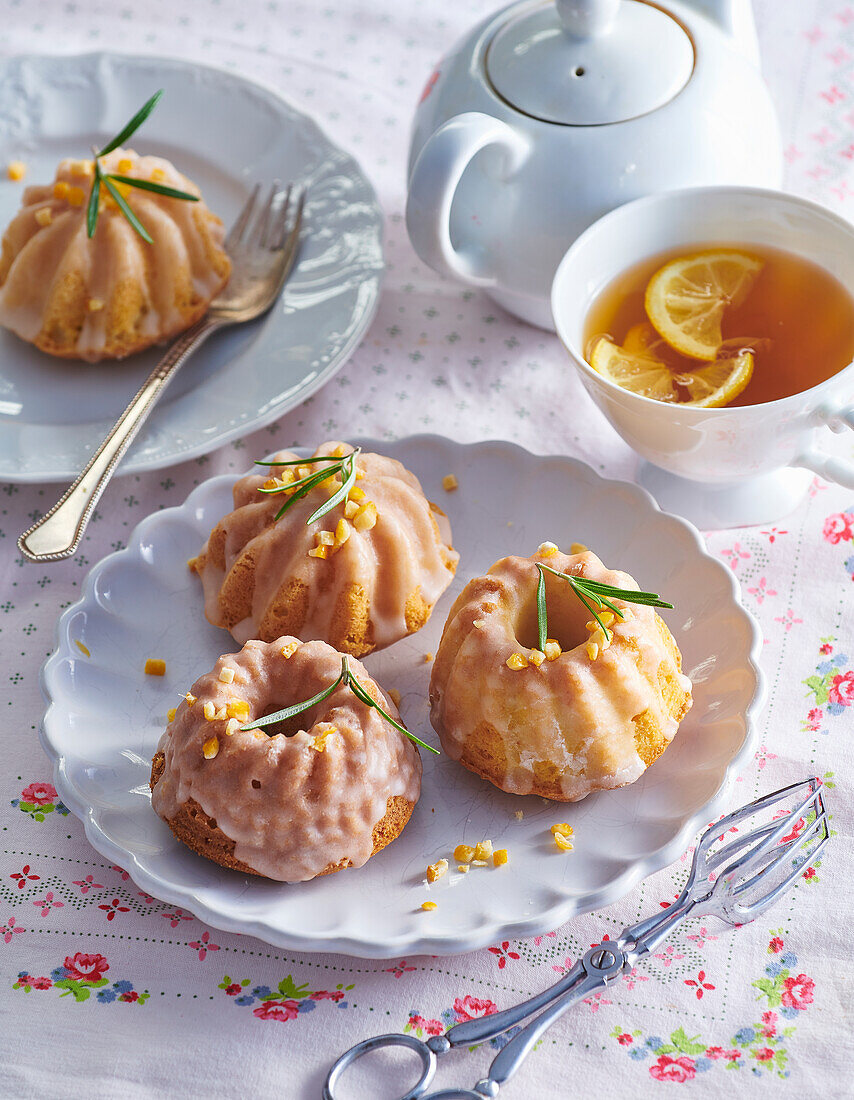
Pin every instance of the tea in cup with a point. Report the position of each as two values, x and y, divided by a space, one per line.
714 328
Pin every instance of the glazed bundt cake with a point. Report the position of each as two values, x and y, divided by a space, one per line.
111 294
361 577
585 713
319 792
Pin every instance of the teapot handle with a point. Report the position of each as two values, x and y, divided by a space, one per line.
435 176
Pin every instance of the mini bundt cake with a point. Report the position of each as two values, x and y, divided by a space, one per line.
319 792
586 713
360 577
106 296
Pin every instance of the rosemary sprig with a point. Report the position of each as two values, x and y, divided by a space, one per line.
346 678
542 614
109 180
595 597
134 124
345 465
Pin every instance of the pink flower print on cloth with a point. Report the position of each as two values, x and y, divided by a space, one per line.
839 531
277 1010
831 687
673 1069
38 799
284 1003
9 929
473 1008
86 967
797 992
48 902
839 528
39 793
79 977
842 689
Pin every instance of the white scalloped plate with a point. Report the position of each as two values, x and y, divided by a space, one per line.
226 132
105 717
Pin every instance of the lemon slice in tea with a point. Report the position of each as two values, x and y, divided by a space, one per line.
634 368
686 299
638 370
717 384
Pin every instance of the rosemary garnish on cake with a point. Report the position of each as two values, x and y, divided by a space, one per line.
339 465
595 596
348 679
110 179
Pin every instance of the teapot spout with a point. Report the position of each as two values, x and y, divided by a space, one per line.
735 18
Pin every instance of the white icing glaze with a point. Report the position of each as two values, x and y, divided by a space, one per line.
311 808
36 258
408 550
573 713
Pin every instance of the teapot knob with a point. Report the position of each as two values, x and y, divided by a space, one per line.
587 18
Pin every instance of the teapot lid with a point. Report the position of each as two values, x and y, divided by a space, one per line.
590 62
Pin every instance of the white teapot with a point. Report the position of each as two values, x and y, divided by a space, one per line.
549 114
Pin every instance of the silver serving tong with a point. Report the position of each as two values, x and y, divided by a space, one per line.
735 880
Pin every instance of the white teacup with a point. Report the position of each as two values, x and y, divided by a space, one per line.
718 467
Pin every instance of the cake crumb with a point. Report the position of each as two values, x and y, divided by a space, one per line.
428 657
483 850
519 814
429 905
449 483
155 666
436 870
562 831
16 170
463 868
83 649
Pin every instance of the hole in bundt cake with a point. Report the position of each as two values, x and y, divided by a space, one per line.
291 726
567 615
256 783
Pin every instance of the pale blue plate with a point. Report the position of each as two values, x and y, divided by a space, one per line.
224 132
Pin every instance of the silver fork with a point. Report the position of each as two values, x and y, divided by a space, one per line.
263 249
735 881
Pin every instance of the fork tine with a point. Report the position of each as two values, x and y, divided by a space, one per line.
771 858
750 912
239 227
755 807
258 231
292 242
276 236
762 835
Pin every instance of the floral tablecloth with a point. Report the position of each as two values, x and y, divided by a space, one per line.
104 990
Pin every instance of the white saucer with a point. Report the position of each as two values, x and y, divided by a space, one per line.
105 717
226 133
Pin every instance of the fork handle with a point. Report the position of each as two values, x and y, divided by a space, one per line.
57 534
